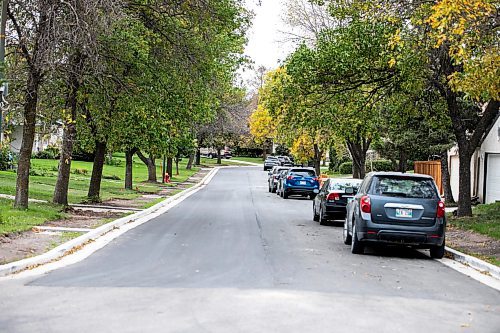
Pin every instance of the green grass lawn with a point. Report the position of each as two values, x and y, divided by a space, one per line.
14 220
44 176
485 220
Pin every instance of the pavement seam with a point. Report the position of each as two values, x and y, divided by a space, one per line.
77 243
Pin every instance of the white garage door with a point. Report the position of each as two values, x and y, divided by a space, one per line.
493 179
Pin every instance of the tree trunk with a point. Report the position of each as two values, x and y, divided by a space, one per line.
64 169
69 135
355 170
177 166
129 155
464 184
150 163
358 151
189 165
198 157
95 180
169 166
445 178
317 159
24 164
403 163
219 160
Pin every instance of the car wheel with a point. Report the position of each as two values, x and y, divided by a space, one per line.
315 216
345 235
269 188
312 196
356 246
322 217
437 252
273 190
285 195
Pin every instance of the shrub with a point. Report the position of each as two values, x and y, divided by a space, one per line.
6 157
345 168
80 171
379 165
109 160
50 153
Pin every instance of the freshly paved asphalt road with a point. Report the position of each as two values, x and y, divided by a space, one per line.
235 258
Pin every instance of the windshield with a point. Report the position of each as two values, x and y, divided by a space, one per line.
340 185
303 173
405 187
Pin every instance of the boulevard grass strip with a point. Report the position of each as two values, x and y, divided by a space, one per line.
257 160
15 220
485 220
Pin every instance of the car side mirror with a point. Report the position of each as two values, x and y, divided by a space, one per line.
349 190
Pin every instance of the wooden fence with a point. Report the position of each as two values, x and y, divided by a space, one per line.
431 168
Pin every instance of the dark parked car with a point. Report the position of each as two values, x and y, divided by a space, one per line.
396 208
332 199
273 177
270 162
299 181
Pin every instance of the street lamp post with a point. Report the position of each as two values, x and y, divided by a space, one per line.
3 89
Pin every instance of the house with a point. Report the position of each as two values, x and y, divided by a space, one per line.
485 167
45 136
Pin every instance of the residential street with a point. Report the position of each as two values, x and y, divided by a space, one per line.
235 258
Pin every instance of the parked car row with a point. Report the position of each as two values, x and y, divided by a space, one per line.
384 207
287 180
272 161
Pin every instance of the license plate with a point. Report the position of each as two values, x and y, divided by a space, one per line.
303 182
404 212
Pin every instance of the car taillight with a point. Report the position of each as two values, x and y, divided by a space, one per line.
289 177
315 179
333 197
440 209
366 206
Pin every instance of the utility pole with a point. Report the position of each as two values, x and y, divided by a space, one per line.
3 89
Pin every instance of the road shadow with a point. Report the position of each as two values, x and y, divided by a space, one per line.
395 251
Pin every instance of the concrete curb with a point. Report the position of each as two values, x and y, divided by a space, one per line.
478 264
77 243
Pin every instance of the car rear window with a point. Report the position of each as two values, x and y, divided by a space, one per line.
342 184
303 173
405 187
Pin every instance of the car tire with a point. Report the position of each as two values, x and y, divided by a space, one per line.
437 252
269 188
345 234
356 246
312 196
273 190
322 217
285 195
315 216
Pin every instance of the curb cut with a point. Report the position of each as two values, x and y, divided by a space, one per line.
478 264
76 243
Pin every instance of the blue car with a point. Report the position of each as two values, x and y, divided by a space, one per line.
300 181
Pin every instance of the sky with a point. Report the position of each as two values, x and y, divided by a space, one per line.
265 38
